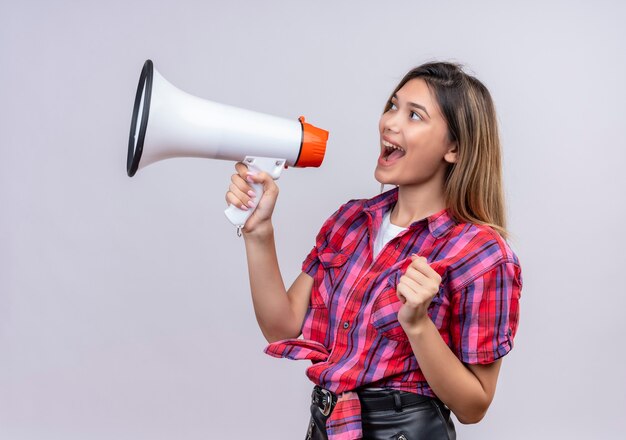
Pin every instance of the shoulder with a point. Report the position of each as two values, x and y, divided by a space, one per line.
355 210
483 241
481 249
340 221
347 213
352 207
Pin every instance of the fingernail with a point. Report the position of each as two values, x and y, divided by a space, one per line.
251 204
251 193
244 207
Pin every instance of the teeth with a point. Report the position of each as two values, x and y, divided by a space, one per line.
390 145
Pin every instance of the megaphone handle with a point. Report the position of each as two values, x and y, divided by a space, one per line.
273 167
237 216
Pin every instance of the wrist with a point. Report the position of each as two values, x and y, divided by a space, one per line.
261 232
419 327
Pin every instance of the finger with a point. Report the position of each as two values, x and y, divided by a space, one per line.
241 169
243 186
415 295
421 263
269 186
243 198
418 276
406 295
401 296
231 199
410 283
428 285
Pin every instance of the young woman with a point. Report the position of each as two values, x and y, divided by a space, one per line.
408 300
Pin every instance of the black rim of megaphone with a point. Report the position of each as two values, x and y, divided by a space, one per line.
135 150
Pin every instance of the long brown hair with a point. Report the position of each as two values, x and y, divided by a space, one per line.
473 185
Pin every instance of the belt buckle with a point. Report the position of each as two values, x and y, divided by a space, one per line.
327 402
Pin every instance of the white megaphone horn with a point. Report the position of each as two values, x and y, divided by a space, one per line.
168 123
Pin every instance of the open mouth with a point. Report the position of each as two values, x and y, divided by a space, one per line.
391 151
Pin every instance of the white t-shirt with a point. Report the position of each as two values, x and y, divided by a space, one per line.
387 231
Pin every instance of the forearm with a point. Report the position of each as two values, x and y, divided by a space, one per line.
448 377
269 297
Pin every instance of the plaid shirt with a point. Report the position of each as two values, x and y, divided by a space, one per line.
351 332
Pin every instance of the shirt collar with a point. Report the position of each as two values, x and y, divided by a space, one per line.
439 223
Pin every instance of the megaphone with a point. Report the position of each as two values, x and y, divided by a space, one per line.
168 123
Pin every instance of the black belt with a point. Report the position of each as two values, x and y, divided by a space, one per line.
371 400
323 402
383 400
324 399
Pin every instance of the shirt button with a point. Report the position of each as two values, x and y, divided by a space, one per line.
346 324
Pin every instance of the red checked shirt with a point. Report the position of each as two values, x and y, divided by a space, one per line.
351 332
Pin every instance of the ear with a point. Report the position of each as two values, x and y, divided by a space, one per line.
451 155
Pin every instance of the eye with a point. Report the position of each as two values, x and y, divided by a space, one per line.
392 106
415 116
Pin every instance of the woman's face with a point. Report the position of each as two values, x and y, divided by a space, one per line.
414 145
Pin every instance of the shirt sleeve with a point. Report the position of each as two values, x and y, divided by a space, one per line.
485 314
311 262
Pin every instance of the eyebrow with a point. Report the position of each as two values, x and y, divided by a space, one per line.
413 104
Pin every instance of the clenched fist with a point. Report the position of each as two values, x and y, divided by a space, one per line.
416 289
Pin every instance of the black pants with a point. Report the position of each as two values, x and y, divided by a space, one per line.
427 418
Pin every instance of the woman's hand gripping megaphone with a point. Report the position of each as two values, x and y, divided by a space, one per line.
252 196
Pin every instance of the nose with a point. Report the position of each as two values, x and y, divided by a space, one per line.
390 122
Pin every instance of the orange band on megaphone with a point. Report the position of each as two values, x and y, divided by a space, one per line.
313 145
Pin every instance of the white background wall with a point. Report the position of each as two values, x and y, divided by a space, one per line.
125 311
